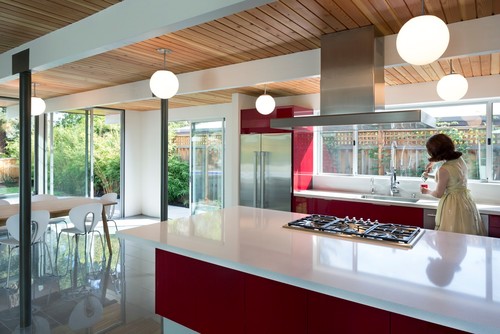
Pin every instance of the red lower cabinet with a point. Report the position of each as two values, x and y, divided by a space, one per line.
211 299
494 228
383 213
199 295
401 324
328 314
273 307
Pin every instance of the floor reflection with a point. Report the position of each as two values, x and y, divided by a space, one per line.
74 290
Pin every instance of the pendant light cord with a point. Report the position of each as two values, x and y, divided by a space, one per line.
164 52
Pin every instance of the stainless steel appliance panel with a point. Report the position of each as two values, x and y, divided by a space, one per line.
266 171
249 163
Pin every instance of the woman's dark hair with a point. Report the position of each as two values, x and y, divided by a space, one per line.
441 147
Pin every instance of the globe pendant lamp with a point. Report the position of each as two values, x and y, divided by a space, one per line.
265 104
453 86
423 39
164 84
37 104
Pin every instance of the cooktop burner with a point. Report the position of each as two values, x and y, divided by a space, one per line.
396 234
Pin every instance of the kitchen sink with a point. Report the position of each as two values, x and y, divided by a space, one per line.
390 198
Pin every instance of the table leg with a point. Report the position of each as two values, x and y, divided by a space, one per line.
106 230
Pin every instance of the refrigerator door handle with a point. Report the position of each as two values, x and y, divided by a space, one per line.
255 177
263 165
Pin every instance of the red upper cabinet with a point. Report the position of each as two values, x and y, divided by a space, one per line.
254 122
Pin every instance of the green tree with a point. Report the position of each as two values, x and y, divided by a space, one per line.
69 154
106 157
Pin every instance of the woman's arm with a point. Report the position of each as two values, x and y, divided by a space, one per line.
442 177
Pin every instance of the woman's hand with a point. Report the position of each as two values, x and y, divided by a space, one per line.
428 168
424 190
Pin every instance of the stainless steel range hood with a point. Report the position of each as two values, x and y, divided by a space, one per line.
352 87
408 119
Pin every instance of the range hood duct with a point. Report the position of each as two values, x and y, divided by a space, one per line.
352 87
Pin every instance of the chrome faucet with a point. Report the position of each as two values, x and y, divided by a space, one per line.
394 184
372 184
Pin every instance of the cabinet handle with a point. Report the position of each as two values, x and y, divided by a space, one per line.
431 215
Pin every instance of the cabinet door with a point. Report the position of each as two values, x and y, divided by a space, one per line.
494 227
272 307
254 122
300 204
199 295
407 325
334 315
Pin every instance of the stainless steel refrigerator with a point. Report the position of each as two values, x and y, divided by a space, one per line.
266 171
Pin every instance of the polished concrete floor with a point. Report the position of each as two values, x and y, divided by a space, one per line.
78 288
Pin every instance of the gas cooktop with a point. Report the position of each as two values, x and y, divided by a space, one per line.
365 230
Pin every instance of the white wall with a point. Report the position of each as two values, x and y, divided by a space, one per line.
147 171
149 154
133 162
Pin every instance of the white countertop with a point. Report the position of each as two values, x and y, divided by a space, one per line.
426 202
447 278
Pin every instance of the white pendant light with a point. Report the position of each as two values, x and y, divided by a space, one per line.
37 104
423 39
453 86
265 104
164 84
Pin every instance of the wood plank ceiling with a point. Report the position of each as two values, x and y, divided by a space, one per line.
280 28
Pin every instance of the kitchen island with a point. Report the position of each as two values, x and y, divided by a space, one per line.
227 268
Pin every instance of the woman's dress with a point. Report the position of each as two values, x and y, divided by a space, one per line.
456 210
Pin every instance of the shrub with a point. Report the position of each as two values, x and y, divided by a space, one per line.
178 181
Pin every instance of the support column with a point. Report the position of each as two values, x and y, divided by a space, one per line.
25 198
164 161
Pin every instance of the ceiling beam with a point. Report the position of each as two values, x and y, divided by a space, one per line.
281 68
119 25
480 88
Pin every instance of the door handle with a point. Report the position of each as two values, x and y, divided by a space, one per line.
263 162
255 177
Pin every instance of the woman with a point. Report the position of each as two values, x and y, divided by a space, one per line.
456 210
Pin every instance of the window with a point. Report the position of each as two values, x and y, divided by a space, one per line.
337 152
9 155
83 152
369 152
495 142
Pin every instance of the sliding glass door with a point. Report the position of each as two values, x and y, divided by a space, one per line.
83 153
67 154
196 168
206 166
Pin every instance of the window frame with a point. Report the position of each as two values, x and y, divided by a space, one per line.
489 106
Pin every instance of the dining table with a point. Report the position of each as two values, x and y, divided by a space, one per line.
60 208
